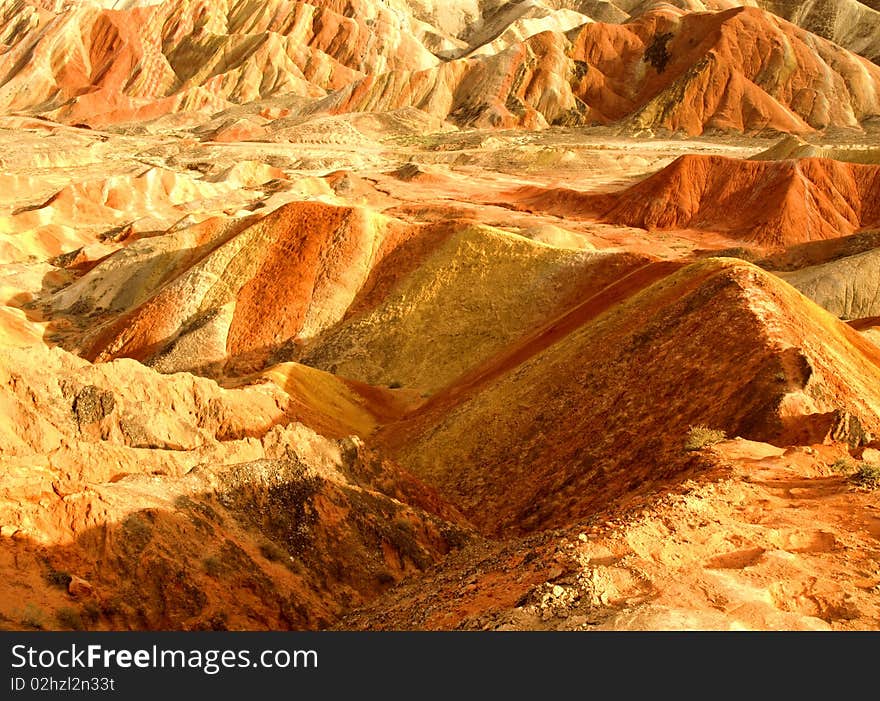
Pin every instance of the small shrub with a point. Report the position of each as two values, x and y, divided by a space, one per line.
112 607
701 436
91 612
657 54
137 532
33 617
385 577
58 579
68 617
213 566
183 502
219 621
843 465
867 475
273 553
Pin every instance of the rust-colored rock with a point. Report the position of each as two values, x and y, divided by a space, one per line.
801 200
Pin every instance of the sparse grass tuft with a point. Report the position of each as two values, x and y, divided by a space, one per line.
33 617
272 552
58 579
68 617
91 612
213 566
843 465
701 436
867 475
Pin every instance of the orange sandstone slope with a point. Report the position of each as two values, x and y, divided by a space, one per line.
239 296
770 539
98 66
602 413
768 203
343 289
134 500
850 23
742 69
477 293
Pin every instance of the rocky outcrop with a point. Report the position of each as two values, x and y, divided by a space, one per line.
848 287
136 500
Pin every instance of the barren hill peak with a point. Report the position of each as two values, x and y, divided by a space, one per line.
530 449
803 199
